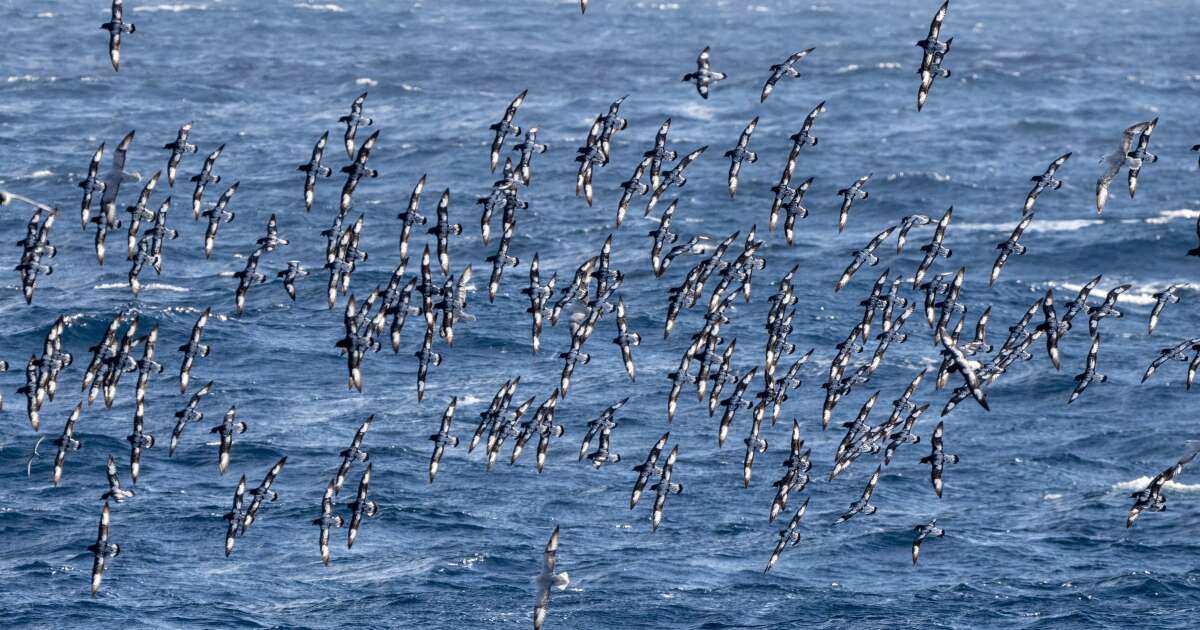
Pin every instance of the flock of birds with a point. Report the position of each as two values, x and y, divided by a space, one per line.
708 364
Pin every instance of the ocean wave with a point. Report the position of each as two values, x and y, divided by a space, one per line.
170 8
367 81
328 8
1167 216
42 173
1142 482
1060 225
152 286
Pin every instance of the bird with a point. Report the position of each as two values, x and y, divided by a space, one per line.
1162 298
204 178
933 52
115 491
739 154
116 27
923 533
313 169
548 578
1089 374
360 507
863 504
1122 157
353 121
327 520
1045 181
178 148
102 550
506 128
704 76
849 196
781 70
937 458
788 536
1009 247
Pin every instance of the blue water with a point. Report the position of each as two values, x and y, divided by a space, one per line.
1034 513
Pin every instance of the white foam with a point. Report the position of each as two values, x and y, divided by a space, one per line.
1051 497
1141 483
28 78
1170 215
1060 225
328 8
367 81
152 286
42 173
46 14
170 8
469 400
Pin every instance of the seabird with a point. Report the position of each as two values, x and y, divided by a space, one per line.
934 249
937 459
442 438
193 349
663 488
647 469
189 414
906 225
1123 157
66 442
1089 374
116 27
225 431
102 550
1151 498
788 536
314 168
740 153
327 520
866 255
236 516
361 506
796 473
780 70
849 196
1161 300
863 504
357 170
1010 246
528 148
179 148
934 50
353 121
548 579
704 76
1045 181
923 532
115 491
138 440
203 179
505 128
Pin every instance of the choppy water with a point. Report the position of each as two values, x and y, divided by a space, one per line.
1034 513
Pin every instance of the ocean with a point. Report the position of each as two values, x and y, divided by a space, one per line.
1034 513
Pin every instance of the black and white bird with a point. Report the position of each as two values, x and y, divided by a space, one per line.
1129 156
1089 374
849 196
353 121
115 491
740 154
179 148
938 458
1010 246
704 76
781 70
934 51
788 536
924 532
505 128
1167 296
548 578
116 27
1045 181
102 551
313 169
